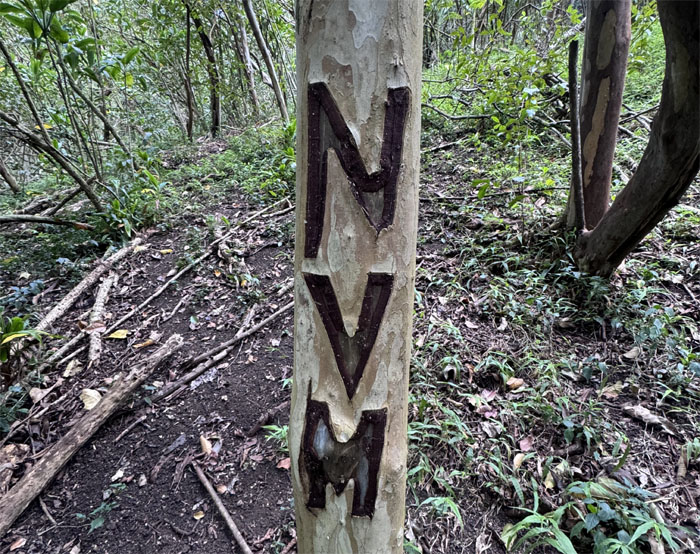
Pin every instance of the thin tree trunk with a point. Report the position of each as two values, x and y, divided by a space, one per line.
6 174
672 157
267 57
354 271
188 82
576 176
213 72
606 48
248 66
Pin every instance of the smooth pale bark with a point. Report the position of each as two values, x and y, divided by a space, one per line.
267 57
7 176
606 47
672 157
213 72
358 132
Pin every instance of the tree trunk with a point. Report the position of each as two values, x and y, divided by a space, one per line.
248 66
250 14
672 157
6 174
188 82
213 72
359 70
606 47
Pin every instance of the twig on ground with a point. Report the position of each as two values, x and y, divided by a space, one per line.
96 317
133 424
22 218
266 418
288 548
222 509
55 358
14 502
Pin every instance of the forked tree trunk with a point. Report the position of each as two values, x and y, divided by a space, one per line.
606 47
672 157
7 176
359 75
267 57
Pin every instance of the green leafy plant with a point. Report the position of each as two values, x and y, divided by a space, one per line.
12 347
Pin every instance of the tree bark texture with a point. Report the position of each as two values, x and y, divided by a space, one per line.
267 57
359 75
7 176
606 47
672 156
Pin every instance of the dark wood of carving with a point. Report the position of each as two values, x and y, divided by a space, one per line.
341 465
351 353
327 129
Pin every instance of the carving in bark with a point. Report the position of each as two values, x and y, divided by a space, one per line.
327 461
351 353
358 148
328 129
672 157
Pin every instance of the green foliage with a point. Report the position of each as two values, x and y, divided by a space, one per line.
14 343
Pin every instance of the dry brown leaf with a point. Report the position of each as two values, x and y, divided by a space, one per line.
18 543
198 515
221 489
74 367
286 463
526 443
642 413
515 383
613 391
144 344
36 394
205 443
518 460
633 353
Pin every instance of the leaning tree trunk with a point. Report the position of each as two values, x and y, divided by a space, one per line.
267 57
7 176
359 70
672 157
606 47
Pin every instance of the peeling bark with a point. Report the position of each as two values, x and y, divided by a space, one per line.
672 157
606 47
359 70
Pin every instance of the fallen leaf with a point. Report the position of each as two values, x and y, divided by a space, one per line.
18 543
286 463
95 327
489 395
549 480
221 489
36 394
503 325
205 443
75 549
140 248
118 475
526 443
612 391
514 383
144 344
90 398
518 460
471 325
633 353
198 515
143 480
119 334
166 251
642 413
24 275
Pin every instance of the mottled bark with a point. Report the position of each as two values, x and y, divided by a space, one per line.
359 75
606 48
672 157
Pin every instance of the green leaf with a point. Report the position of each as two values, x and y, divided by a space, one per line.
58 32
96 523
58 5
130 55
6 7
129 79
14 336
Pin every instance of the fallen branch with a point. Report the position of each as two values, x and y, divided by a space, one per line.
222 510
211 357
239 337
56 357
43 472
96 318
25 218
86 283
